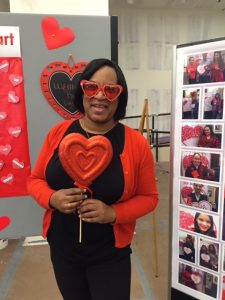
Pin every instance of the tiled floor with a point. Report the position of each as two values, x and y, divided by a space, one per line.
26 272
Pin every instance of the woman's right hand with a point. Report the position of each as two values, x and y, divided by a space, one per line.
67 200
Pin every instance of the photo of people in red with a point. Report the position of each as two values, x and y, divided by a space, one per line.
205 67
213 103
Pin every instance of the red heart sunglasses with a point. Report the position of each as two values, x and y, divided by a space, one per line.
110 91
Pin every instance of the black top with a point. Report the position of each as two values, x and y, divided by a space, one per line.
97 239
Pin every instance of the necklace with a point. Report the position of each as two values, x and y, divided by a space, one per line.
88 134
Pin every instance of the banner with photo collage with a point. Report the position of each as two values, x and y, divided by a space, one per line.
198 227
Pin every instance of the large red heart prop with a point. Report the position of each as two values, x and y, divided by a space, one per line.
85 159
57 83
4 222
55 37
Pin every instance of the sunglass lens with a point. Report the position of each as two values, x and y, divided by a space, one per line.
90 88
112 92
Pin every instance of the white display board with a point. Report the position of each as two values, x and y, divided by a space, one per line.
198 152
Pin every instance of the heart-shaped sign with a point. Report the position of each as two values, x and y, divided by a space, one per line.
54 36
57 82
196 278
4 222
205 257
85 159
187 250
191 134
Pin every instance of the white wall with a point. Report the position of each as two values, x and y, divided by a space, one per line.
71 7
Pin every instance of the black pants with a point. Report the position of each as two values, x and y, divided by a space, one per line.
107 280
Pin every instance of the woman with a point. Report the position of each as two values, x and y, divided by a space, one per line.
217 107
98 268
191 69
208 139
217 67
204 256
204 224
194 105
198 170
213 257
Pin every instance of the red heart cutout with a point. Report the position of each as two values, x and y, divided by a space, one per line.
4 222
4 66
189 132
57 83
55 37
85 159
14 131
15 79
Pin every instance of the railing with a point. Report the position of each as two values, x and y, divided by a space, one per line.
156 142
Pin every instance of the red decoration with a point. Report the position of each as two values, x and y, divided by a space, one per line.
189 132
85 159
14 151
54 36
4 222
57 83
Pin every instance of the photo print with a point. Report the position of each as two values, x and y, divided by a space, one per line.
201 135
209 254
213 103
190 103
199 165
199 195
187 246
199 222
198 280
204 67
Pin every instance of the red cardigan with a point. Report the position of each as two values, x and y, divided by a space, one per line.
140 192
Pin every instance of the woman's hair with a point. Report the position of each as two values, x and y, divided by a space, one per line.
212 249
92 67
204 249
210 231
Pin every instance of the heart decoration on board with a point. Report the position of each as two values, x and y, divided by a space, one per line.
4 222
4 66
205 257
191 132
17 164
12 98
8 179
3 115
5 149
15 79
57 82
53 35
14 131
85 159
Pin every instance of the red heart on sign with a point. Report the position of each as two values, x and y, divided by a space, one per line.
55 37
57 83
4 222
85 159
15 79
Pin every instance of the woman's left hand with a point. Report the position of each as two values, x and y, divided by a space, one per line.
96 211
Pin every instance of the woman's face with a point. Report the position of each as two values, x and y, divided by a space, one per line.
98 109
196 160
207 131
203 222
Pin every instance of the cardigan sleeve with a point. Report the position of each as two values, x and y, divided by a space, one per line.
144 197
37 186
